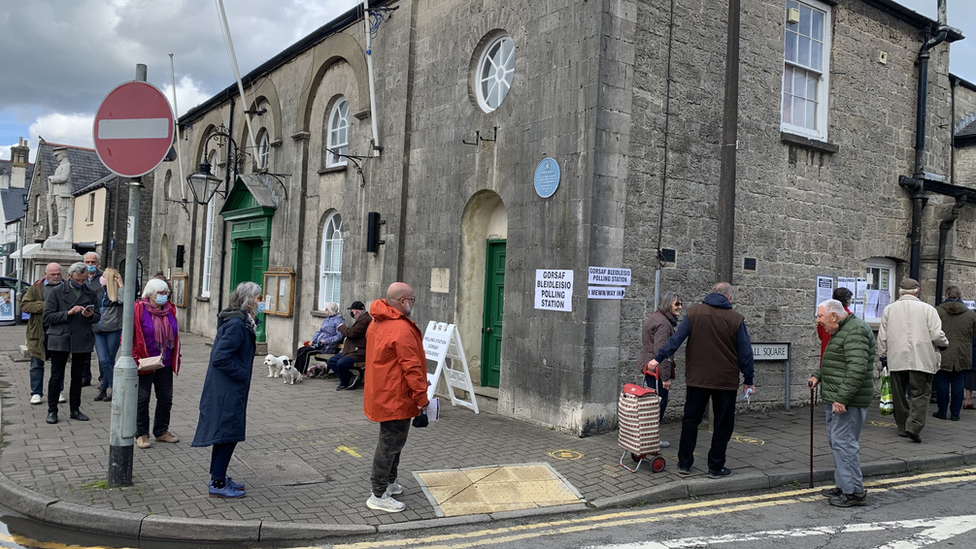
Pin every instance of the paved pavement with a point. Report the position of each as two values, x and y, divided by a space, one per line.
50 472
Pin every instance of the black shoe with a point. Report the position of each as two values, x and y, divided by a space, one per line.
913 437
937 415
354 382
100 396
850 500
341 387
719 473
108 397
954 418
832 492
76 414
52 417
684 472
86 383
903 435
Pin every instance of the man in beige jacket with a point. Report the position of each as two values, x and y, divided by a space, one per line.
909 341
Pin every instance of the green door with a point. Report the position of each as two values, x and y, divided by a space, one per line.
491 340
248 263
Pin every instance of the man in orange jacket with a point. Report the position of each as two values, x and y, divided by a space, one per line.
395 388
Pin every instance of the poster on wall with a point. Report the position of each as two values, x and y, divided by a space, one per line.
6 305
825 290
554 290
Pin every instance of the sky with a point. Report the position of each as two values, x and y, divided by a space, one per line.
61 57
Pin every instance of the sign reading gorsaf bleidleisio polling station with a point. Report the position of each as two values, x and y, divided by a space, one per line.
554 290
613 279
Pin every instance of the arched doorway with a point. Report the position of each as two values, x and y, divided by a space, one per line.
481 284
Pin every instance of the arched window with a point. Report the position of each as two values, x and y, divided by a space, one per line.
338 134
209 238
264 151
330 268
496 71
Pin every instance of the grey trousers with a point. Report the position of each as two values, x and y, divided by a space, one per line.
910 414
386 459
843 430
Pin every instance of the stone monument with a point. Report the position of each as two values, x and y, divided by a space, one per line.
57 248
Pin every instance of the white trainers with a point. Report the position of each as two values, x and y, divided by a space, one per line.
385 503
394 488
35 399
665 444
61 398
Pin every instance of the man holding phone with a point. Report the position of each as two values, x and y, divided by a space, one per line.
69 314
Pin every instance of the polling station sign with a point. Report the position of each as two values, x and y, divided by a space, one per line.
609 276
554 290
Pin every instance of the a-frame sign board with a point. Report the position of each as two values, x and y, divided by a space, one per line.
441 342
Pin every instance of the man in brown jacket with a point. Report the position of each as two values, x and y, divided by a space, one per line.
33 303
719 348
959 325
353 349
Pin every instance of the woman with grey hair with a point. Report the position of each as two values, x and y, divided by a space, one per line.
223 402
156 333
655 331
324 341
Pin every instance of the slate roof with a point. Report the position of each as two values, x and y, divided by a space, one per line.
86 168
967 132
12 199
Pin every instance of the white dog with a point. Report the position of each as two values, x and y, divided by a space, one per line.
276 364
290 374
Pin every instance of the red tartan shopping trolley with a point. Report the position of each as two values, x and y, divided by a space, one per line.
639 426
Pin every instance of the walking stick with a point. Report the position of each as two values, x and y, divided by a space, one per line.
810 384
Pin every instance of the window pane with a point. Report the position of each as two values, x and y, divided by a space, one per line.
803 57
805 17
793 6
818 24
787 110
798 110
811 87
799 82
816 55
811 121
788 80
790 52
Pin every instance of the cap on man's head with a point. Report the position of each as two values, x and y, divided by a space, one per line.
909 284
357 305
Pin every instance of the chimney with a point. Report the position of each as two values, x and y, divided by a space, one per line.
18 161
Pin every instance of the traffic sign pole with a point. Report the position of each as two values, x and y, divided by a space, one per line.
125 385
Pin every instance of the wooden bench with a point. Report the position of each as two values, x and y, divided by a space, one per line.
358 368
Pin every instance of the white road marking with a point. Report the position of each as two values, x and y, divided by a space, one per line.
134 128
935 530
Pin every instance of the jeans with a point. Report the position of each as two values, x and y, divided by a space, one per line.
910 411
723 406
162 380
386 459
220 459
843 430
59 360
107 347
949 391
341 366
37 376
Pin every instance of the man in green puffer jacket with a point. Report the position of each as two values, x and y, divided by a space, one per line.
846 372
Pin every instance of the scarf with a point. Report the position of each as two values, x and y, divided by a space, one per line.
162 329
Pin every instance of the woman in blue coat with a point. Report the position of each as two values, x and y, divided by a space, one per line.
223 402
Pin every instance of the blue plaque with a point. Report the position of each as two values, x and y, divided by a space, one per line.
547 178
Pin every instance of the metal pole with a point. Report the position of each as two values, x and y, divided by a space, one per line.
125 385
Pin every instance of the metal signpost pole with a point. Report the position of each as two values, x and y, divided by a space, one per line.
125 385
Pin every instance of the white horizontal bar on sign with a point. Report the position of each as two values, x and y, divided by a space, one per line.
134 128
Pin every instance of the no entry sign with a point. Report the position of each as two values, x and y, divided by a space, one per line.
133 129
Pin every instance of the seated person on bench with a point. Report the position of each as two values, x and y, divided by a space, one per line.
354 348
324 340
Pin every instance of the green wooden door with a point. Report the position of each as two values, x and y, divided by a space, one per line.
491 339
248 263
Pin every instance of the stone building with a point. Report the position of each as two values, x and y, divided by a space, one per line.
14 175
768 152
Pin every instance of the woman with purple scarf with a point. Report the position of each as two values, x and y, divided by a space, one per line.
156 333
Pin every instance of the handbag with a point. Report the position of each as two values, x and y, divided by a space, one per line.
150 363
887 406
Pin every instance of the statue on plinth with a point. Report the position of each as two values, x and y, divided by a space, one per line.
61 200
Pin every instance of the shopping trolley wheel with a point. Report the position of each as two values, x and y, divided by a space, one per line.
637 457
657 464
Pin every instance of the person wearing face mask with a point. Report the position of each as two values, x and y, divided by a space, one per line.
94 281
69 313
155 333
108 331
223 401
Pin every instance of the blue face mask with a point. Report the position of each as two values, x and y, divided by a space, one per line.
161 299
75 285
262 306
91 269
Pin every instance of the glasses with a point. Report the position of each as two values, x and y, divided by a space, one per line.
164 292
678 304
410 299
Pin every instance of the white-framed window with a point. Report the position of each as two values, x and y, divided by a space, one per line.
806 70
330 267
37 208
91 208
209 235
880 278
264 151
338 134
496 71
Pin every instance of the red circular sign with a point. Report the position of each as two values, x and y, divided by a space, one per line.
133 129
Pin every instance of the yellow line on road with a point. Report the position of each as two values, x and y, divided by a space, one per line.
624 518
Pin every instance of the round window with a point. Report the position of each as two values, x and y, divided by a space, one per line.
496 70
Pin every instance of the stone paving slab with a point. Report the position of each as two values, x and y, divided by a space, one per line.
55 465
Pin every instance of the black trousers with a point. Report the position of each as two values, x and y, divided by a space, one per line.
723 405
220 459
162 381
386 459
59 360
302 356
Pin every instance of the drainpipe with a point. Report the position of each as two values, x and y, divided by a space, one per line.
725 241
916 183
944 227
